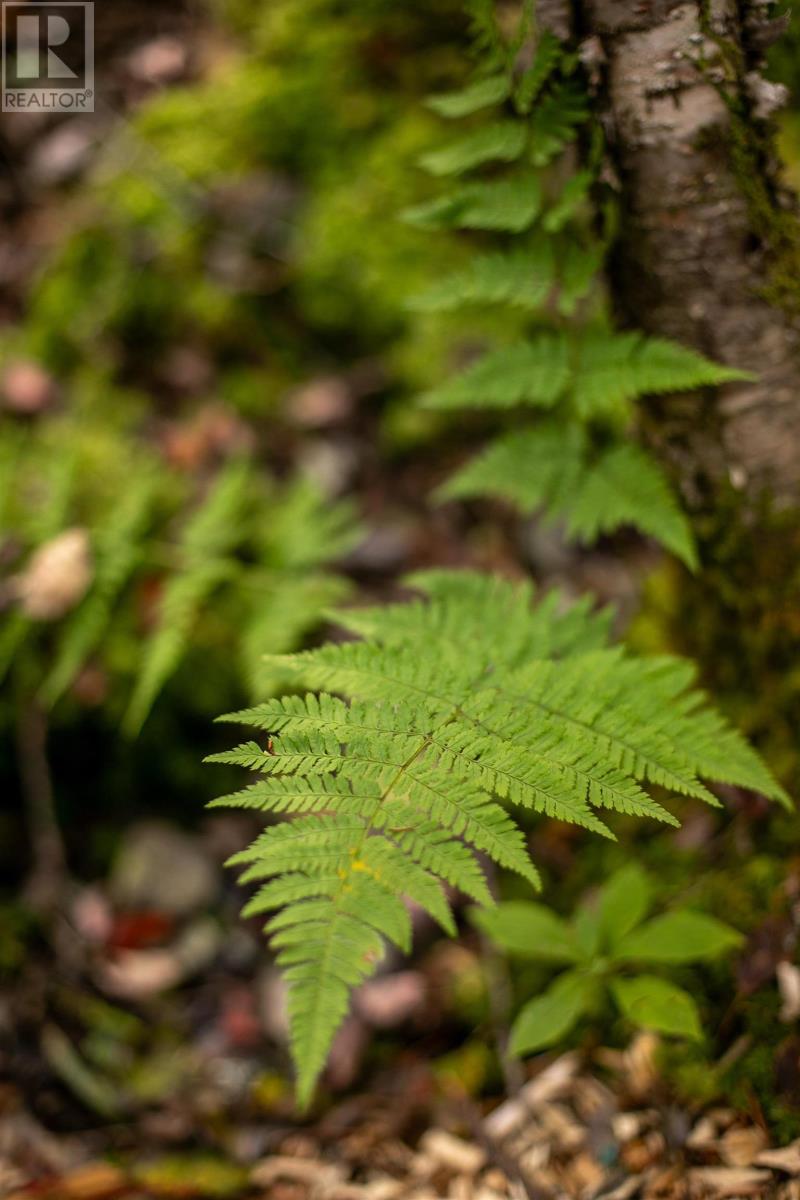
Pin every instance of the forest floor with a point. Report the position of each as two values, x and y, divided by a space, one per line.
144 1055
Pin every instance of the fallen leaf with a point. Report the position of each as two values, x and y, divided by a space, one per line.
189 1175
95 1181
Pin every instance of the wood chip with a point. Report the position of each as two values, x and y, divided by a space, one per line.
552 1082
787 1159
627 1126
703 1135
585 1174
727 1181
452 1152
304 1170
623 1191
740 1147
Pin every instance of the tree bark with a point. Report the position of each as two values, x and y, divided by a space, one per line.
706 232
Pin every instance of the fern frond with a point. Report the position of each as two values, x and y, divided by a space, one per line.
626 487
548 55
502 141
531 469
614 368
116 550
284 606
556 120
305 530
536 373
455 705
484 93
573 195
579 266
507 206
207 539
522 279
601 371
488 44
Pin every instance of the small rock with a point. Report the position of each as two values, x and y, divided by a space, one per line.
331 464
136 974
321 402
387 547
57 576
391 999
162 60
91 915
27 388
161 868
64 153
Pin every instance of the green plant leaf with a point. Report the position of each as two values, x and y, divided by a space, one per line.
549 53
652 1003
502 141
528 930
624 902
625 486
482 94
587 931
548 1018
678 937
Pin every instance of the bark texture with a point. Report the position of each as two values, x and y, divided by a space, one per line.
695 261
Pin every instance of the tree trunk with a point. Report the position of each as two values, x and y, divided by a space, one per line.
707 237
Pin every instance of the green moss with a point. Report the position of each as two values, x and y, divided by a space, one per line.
752 154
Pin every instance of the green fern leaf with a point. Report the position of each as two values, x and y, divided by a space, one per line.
395 790
522 279
549 53
614 368
509 206
532 469
202 553
578 269
116 550
573 195
535 373
555 122
626 487
482 94
503 141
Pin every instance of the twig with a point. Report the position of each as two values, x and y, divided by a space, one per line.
48 873
498 985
